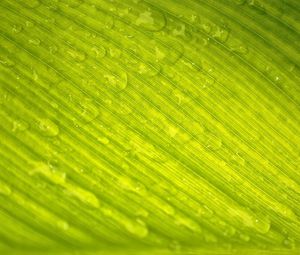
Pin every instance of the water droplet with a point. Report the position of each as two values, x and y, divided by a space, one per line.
141 212
77 55
53 49
245 237
132 185
32 3
17 29
240 49
73 3
82 195
289 242
188 223
169 55
220 33
103 140
29 24
35 41
213 142
210 238
48 127
137 228
89 111
20 125
257 5
99 51
117 81
174 246
149 19
54 176
115 52
63 225
6 61
238 159
4 189
205 212
262 225
147 69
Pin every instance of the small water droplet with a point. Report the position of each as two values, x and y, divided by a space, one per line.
205 212
4 189
77 55
117 81
175 246
262 225
212 142
17 29
35 41
89 111
63 225
238 159
245 237
115 52
20 125
48 127
137 228
29 24
6 61
32 3
99 51
220 33
103 140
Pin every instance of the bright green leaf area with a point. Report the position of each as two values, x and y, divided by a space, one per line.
149 127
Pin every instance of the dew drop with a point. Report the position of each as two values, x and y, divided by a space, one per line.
99 51
220 34
89 111
117 81
6 61
77 55
205 212
4 189
114 52
147 69
213 142
149 19
262 225
32 3
82 195
20 125
245 237
238 159
63 225
103 140
48 128
137 228
35 41
175 246
17 29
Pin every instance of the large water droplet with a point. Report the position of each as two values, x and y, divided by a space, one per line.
48 128
150 19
